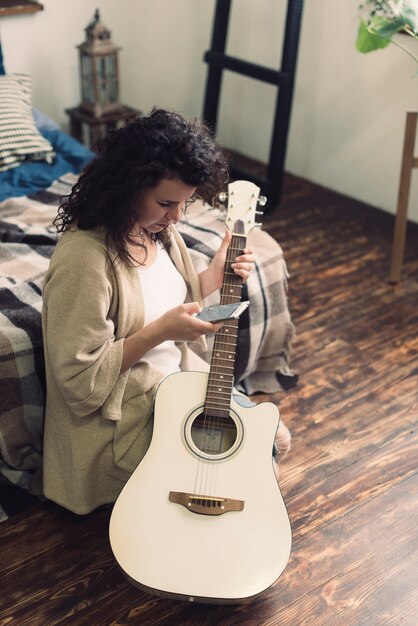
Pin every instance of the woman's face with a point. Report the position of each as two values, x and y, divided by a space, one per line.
163 205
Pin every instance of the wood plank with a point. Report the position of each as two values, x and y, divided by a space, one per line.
383 585
362 480
366 529
86 570
369 546
321 450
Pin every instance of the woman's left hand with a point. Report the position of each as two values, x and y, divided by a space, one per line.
212 278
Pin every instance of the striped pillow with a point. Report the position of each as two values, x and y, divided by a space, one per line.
19 138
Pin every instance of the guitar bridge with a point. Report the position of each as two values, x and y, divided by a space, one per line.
205 505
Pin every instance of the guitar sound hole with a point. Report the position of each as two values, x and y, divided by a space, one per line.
213 435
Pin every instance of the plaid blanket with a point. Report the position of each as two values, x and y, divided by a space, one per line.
27 241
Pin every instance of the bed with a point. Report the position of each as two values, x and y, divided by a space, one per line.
30 188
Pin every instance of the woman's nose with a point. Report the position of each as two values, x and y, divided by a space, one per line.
175 212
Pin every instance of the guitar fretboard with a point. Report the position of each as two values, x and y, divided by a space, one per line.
221 376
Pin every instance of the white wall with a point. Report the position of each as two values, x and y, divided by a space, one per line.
349 114
349 109
162 45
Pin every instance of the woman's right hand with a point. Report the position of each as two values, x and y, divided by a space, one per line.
179 324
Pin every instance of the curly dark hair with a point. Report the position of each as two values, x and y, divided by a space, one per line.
130 160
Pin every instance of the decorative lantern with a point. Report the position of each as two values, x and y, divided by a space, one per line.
99 70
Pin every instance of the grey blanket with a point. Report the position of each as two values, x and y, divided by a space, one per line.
27 241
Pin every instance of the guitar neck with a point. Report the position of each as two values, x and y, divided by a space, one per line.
221 375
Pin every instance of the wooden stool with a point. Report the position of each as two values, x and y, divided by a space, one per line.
409 162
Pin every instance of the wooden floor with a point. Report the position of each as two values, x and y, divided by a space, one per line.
350 482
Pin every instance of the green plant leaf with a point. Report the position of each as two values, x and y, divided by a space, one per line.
367 41
382 27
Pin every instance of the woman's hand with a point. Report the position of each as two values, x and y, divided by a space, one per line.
178 324
212 278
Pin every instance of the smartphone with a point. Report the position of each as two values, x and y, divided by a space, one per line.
222 312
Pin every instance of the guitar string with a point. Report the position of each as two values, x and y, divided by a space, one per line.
207 464
207 427
211 422
210 417
231 292
209 467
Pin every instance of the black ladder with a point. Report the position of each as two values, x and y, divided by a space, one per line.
284 78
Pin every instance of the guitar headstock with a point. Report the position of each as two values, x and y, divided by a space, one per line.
243 199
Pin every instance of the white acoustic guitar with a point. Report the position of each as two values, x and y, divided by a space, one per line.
202 517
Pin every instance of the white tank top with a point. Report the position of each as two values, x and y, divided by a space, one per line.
163 288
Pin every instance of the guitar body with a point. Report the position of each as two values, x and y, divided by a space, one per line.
230 540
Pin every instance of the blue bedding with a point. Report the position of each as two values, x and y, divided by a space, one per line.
71 156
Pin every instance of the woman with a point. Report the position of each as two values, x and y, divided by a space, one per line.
119 299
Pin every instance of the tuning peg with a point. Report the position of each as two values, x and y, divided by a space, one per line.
222 196
259 212
262 200
257 225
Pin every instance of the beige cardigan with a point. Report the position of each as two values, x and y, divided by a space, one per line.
98 423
